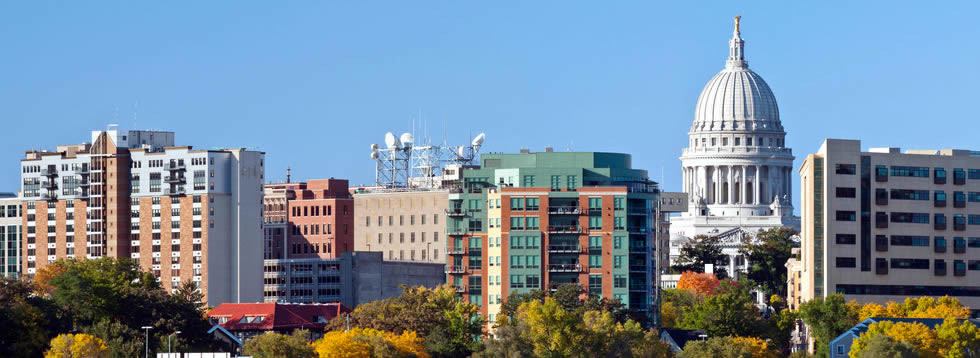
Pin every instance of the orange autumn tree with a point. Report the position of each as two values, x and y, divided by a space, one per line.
699 283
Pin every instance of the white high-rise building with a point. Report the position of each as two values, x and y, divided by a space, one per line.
737 169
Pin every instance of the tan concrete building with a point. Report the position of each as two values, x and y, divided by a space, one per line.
405 225
182 214
794 276
883 225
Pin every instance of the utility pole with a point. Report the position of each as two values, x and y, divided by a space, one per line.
147 339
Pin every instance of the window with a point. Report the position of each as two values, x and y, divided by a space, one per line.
939 176
919 264
528 181
881 173
532 223
619 281
846 192
846 239
846 169
843 215
595 223
516 204
532 204
916 218
846 262
517 223
915 172
904 240
618 261
900 194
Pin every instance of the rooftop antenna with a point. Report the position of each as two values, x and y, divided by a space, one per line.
288 173
136 107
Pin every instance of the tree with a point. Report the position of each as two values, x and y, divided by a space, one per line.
272 345
699 251
699 283
508 341
959 337
767 255
553 330
26 319
827 318
882 346
367 342
448 325
918 335
922 307
727 314
728 347
77 346
674 302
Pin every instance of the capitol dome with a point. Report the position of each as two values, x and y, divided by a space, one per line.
736 99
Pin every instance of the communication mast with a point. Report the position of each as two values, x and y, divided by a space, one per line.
404 164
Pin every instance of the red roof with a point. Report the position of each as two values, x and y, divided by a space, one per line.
275 316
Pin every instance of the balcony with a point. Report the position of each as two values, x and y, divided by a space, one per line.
455 212
457 251
49 172
83 182
174 192
564 210
638 229
81 194
174 179
567 229
553 286
174 166
455 269
638 249
564 249
459 289
565 268
457 230
49 197
49 184
638 268
638 212
82 170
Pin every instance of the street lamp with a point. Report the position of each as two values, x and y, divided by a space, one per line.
147 339
168 341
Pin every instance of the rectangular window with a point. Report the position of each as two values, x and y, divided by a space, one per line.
846 192
517 223
532 223
516 204
595 223
904 240
915 218
846 169
915 172
846 239
846 262
619 281
901 194
843 215
919 264
618 261
532 204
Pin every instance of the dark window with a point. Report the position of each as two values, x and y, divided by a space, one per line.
902 194
959 199
881 220
959 245
881 173
918 264
881 266
915 172
959 176
881 197
846 169
959 222
846 262
939 267
973 242
881 243
904 240
959 268
914 218
939 244
846 192
939 199
843 215
846 239
940 221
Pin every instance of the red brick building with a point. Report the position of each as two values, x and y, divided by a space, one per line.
314 219
245 320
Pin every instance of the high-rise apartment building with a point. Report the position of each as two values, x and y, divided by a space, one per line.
402 224
10 235
529 221
883 225
183 214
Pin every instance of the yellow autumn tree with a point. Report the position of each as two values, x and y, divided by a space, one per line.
958 337
699 283
77 346
757 347
922 307
368 343
45 274
924 339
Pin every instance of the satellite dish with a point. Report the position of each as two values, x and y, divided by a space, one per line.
391 141
407 139
478 140
374 146
461 151
374 155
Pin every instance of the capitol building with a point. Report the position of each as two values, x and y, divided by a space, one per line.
737 170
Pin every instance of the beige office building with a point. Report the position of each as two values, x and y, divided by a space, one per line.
884 225
404 225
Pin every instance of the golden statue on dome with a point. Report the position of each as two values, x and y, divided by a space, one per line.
737 19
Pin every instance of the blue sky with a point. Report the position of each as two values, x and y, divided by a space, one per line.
314 83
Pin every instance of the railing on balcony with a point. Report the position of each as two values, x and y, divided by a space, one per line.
459 289
174 166
82 170
455 269
638 268
457 230
49 172
564 210
639 249
565 268
81 194
49 184
567 229
553 286
564 248
173 179
83 182
638 212
174 192
638 229
455 212
49 197
457 251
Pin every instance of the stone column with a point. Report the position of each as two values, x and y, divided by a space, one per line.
756 195
731 185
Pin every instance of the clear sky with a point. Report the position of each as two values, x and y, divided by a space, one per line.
314 83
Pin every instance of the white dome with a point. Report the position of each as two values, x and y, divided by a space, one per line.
736 99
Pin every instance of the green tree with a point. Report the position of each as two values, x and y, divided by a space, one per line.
27 320
827 318
727 314
675 302
883 346
508 341
118 338
554 331
701 250
274 345
715 347
767 255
